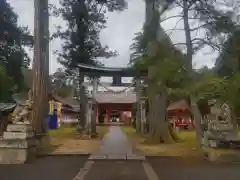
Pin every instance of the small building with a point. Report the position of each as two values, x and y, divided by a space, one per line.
179 114
70 108
115 107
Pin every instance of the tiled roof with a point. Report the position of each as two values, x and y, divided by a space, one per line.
6 106
179 105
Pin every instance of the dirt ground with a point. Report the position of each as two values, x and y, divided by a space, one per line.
65 141
187 146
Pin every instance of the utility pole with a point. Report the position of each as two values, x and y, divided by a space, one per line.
41 82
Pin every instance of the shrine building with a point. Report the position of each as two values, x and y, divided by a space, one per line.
115 107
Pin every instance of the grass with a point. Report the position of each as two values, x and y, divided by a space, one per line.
187 146
69 131
65 140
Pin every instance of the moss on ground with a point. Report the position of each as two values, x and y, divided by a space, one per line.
69 131
65 140
186 147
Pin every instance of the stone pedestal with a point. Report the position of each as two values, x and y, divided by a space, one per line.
221 155
18 145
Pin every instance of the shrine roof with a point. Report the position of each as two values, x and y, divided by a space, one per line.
107 71
6 106
179 105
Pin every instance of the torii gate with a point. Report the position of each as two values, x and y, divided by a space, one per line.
117 74
41 61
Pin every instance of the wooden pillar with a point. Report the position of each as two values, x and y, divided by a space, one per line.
40 66
97 115
142 114
138 101
94 106
107 115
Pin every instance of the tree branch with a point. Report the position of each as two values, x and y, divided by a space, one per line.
174 29
214 46
177 16
201 26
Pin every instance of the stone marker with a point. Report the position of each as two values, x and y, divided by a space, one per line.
17 135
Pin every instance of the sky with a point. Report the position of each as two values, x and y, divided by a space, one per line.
121 27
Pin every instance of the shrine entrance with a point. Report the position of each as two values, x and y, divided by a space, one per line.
109 106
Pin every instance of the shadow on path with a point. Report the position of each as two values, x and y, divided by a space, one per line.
45 168
178 168
116 170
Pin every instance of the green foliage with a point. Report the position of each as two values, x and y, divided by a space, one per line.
12 41
12 55
85 19
64 90
232 92
138 48
6 85
229 58
210 87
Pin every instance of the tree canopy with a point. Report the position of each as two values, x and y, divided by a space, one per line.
85 19
13 57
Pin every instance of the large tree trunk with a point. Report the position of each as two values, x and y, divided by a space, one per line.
159 127
197 119
187 35
40 67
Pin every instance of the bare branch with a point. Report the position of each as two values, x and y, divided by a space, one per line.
213 46
179 3
201 26
174 29
177 16
192 3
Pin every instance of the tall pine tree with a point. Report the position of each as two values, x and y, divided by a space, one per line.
85 19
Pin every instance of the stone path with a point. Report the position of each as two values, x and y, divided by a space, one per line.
115 160
115 145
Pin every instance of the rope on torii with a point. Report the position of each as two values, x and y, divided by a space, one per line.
114 91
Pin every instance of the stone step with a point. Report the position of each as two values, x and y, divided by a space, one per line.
19 128
17 135
116 157
17 143
136 157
